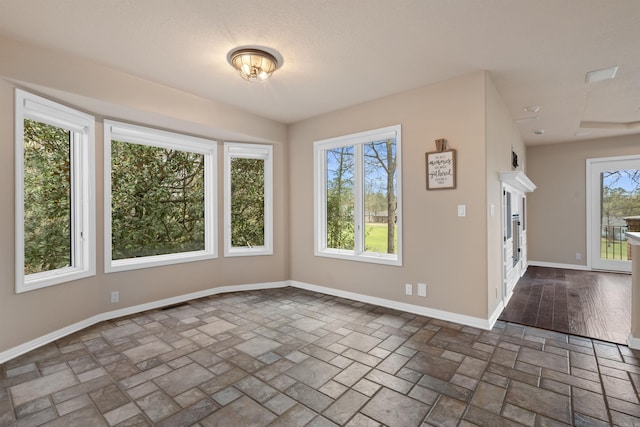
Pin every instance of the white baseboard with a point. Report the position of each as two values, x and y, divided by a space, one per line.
67 330
496 313
475 322
507 299
633 343
559 265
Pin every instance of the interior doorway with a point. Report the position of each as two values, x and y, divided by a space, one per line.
594 304
613 198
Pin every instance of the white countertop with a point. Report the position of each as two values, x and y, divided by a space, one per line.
633 237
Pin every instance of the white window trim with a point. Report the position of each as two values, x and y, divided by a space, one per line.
83 242
157 138
320 191
249 151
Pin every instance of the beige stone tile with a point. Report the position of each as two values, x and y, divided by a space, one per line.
345 407
147 351
216 327
242 412
309 397
395 409
547 403
446 413
74 404
157 405
183 379
123 413
488 397
43 386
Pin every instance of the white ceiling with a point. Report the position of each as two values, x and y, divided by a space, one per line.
339 53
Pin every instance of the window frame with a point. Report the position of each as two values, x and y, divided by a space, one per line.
249 151
82 164
143 135
357 140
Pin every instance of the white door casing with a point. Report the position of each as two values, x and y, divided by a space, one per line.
595 168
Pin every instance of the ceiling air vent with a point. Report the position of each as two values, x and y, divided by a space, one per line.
600 75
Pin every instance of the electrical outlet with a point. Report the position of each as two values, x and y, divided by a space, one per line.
408 289
578 256
115 297
422 289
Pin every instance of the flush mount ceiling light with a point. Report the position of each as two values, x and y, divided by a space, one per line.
600 75
254 65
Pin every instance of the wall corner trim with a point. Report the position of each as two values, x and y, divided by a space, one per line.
633 342
496 313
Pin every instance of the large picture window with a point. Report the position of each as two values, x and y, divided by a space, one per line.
55 213
248 199
358 196
159 197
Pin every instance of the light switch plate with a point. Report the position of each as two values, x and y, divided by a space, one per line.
462 210
422 289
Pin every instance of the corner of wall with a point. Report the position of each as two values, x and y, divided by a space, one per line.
502 136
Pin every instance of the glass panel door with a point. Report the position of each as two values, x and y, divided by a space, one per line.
615 201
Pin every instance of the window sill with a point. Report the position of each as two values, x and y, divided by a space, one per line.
246 251
52 278
156 261
373 258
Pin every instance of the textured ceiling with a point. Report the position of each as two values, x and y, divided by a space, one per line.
339 53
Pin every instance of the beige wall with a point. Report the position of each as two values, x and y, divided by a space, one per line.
111 93
458 257
502 137
557 209
439 248
104 91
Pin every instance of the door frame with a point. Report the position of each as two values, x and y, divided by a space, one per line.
511 272
593 195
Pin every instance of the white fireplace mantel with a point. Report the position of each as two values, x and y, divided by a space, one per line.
518 180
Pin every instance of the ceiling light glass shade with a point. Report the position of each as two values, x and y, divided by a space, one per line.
254 65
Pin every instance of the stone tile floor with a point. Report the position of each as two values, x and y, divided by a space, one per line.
289 357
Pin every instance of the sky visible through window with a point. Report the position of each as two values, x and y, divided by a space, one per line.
628 180
374 174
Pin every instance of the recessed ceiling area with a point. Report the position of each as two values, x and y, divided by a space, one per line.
340 53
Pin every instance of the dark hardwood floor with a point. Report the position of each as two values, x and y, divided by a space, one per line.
591 304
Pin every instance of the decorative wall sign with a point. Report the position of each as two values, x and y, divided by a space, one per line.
441 170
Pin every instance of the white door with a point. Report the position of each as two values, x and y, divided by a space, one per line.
613 193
